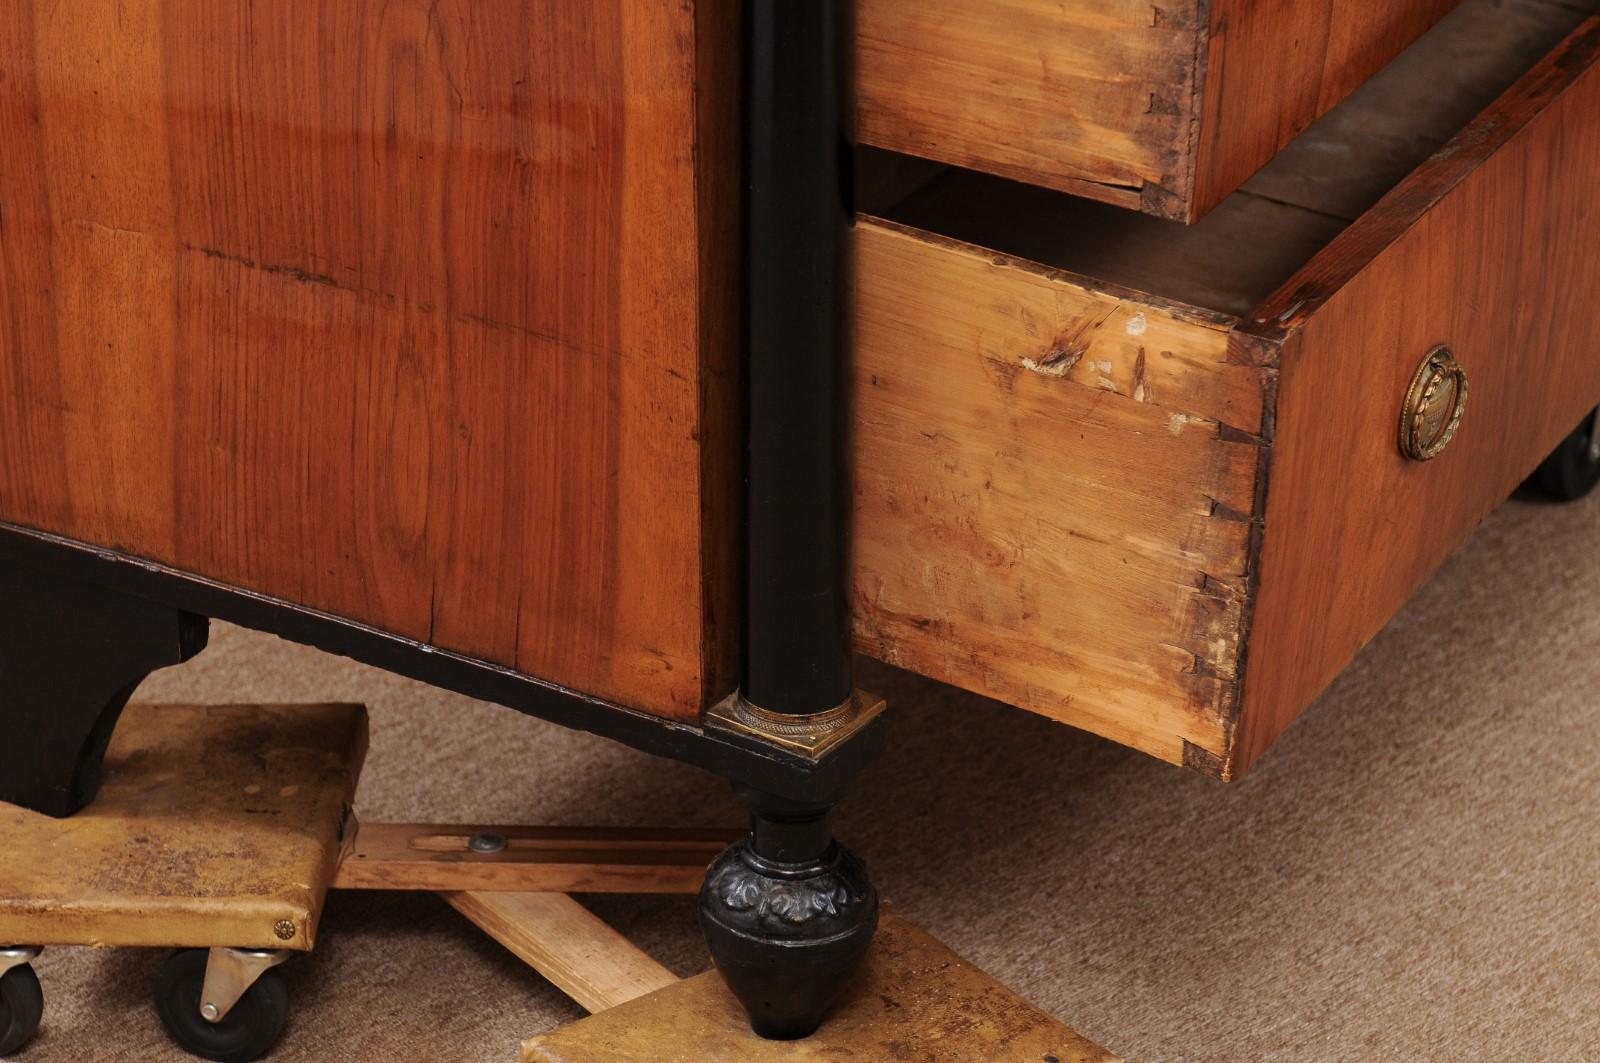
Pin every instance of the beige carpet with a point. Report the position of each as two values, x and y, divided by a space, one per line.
1412 874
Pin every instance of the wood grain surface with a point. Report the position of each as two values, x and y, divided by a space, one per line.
412 312
915 1001
1048 509
568 944
1491 250
1164 108
1173 526
216 825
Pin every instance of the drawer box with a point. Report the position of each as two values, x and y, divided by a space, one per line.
1165 107
1146 478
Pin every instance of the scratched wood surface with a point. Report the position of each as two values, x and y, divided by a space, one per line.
409 311
216 825
1172 515
1045 509
1164 108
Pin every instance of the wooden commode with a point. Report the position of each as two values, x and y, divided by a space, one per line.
634 365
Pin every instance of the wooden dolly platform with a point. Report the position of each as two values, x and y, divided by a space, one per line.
219 830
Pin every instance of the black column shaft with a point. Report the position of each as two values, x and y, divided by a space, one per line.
797 218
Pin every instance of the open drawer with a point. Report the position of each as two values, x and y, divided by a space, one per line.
1163 107
1148 479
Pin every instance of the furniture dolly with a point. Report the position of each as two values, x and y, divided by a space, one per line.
1133 369
219 830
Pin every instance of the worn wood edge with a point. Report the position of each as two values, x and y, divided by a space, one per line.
1182 202
1289 308
171 926
1230 767
1178 203
1149 186
439 837
717 179
579 953
1225 766
1202 199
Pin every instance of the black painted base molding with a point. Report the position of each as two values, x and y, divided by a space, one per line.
71 655
739 757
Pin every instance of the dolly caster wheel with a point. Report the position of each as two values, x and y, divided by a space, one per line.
21 1000
1573 469
193 995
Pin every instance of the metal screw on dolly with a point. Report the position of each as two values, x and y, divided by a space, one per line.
487 842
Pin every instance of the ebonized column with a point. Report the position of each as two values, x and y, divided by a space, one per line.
788 912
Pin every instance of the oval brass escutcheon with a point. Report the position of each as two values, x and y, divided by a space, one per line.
1434 404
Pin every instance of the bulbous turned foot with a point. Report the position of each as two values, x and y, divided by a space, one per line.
786 937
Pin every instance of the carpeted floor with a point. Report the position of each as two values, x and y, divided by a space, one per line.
1412 874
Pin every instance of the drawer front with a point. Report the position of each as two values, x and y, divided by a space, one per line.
1173 527
1162 108
1492 251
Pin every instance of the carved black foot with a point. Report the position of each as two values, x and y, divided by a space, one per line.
788 914
71 655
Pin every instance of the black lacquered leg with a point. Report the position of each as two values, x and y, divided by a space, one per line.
71 655
788 914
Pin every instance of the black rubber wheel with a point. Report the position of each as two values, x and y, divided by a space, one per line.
1573 469
23 1004
248 1030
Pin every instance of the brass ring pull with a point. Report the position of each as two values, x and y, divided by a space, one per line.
1434 404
